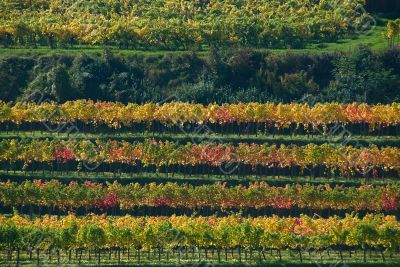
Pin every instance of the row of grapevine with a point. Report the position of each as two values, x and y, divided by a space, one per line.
346 160
176 25
143 233
89 195
115 115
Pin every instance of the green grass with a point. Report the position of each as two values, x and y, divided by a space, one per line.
168 259
180 178
197 138
23 51
374 39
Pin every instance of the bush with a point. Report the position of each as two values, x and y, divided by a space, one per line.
220 76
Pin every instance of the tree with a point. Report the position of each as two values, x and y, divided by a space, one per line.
360 77
392 31
89 76
14 75
60 84
53 85
294 85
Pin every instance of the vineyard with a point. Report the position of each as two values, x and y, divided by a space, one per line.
95 196
229 238
165 24
326 159
115 115
199 133
165 183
